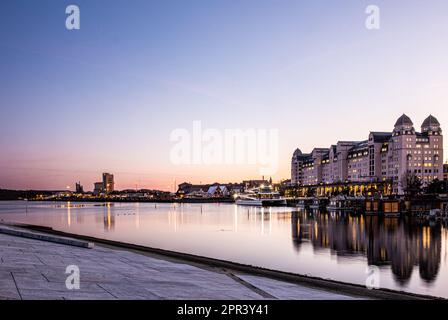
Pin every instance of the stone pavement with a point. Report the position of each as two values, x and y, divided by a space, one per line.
33 269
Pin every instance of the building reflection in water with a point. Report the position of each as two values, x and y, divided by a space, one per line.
400 243
69 214
108 218
137 215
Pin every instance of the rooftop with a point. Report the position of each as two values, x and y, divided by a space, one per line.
431 121
381 136
404 120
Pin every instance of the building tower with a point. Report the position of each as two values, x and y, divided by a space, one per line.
400 153
108 182
296 167
433 156
79 188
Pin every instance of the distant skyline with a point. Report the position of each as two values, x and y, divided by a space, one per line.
105 98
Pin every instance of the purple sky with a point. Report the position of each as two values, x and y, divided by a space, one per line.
107 97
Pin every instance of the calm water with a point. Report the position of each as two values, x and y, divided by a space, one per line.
411 255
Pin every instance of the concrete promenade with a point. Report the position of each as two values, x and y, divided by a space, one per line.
35 269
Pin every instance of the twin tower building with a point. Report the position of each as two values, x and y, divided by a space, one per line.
384 156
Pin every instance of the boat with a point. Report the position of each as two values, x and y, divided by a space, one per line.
262 196
345 203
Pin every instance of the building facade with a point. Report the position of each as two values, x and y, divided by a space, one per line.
107 185
445 172
98 188
383 156
189 190
79 188
108 182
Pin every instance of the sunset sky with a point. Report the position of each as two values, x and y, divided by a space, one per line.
106 98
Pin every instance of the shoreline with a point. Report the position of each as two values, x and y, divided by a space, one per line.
329 285
32 269
205 201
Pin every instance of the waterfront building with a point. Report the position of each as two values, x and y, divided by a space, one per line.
250 184
209 190
108 182
186 188
218 191
445 172
383 157
98 188
79 188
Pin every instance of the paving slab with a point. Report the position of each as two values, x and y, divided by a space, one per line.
34 269
290 291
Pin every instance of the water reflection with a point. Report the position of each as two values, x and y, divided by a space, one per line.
412 255
69 215
108 218
400 243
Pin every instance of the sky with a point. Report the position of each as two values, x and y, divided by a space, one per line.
107 97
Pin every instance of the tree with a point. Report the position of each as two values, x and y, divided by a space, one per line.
311 192
412 185
345 190
435 187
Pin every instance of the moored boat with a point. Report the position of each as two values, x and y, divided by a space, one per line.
263 196
345 203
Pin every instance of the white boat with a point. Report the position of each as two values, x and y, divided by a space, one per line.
263 196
